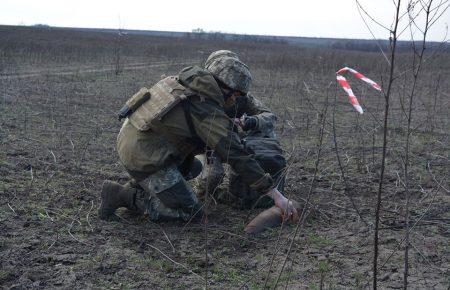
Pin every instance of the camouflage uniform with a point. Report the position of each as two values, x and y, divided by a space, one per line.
159 159
213 171
250 106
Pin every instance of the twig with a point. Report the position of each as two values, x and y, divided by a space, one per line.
344 177
31 174
165 235
416 71
54 242
54 157
177 263
12 209
410 229
87 216
385 129
427 260
316 170
70 227
368 28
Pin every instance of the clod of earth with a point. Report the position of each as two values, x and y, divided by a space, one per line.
270 218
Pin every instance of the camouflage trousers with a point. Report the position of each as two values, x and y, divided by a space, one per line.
236 194
267 151
212 173
166 196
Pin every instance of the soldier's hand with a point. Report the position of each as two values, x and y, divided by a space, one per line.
237 122
289 212
250 123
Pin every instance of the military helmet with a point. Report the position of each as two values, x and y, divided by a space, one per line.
218 54
232 72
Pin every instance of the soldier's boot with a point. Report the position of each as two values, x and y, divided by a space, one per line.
175 203
132 183
114 196
157 211
211 176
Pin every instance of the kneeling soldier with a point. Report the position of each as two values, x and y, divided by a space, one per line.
258 137
166 126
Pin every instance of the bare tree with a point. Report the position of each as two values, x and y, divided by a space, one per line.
387 95
431 15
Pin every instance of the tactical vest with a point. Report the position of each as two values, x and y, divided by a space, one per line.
148 106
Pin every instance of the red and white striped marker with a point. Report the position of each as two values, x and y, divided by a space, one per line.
344 84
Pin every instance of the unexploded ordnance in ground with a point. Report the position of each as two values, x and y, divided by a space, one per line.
270 218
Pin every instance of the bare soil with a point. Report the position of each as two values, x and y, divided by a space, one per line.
57 137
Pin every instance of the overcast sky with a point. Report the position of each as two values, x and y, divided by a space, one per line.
313 18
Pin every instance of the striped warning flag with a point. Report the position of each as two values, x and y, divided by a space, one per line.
344 84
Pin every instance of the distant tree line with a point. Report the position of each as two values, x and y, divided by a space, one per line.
373 46
200 33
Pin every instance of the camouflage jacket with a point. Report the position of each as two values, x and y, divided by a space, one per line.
251 106
173 142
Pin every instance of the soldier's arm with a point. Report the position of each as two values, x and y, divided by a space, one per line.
254 107
215 129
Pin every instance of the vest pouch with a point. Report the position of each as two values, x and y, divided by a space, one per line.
164 95
133 103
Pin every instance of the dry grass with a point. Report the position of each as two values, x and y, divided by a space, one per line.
57 136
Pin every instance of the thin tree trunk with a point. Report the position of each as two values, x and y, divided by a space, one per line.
416 71
383 158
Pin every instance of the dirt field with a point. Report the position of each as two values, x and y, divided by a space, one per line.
59 94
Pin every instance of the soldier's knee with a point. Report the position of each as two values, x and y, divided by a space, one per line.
180 195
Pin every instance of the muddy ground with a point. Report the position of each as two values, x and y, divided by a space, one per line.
57 135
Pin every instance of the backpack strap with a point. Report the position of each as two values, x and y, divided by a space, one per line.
186 104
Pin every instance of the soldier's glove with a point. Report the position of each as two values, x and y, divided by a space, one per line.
250 123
